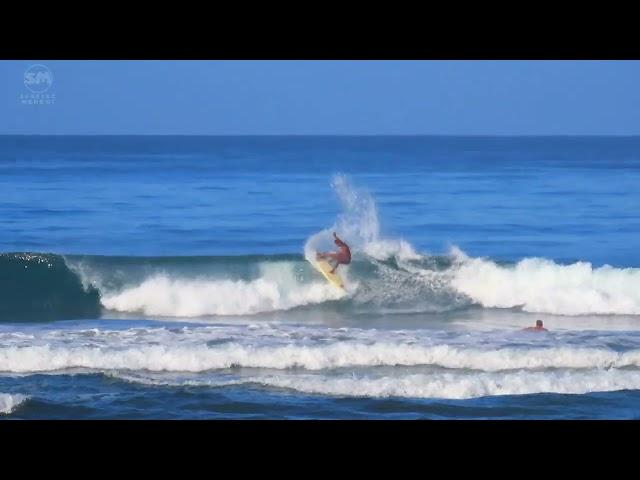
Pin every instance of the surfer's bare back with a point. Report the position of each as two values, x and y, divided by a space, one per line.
341 257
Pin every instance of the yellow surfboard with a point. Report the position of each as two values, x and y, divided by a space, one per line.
325 268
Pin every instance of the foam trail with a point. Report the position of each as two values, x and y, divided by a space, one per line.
276 289
539 285
9 402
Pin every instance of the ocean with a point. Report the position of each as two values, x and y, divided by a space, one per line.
168 277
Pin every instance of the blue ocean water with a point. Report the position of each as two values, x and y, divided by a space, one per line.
167 277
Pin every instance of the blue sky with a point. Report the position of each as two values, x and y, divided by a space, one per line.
327 97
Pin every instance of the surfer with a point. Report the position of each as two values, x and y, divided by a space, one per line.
341 257
537 328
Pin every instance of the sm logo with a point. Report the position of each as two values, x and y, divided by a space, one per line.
38 78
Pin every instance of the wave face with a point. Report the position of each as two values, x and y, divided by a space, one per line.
36 286
386 276
46 286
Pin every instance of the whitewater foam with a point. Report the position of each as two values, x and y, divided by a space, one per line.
9 402
456 386
540 285
435 385
276 288
200 358
383 249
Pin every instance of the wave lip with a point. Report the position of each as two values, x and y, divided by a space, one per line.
10 402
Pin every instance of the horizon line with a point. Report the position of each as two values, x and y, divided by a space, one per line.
501 135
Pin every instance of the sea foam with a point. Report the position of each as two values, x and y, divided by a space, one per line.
200 357
542 286
9 402
276 288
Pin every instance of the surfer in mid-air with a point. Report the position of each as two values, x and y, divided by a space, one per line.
341 257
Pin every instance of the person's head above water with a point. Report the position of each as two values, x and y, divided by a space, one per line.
537 328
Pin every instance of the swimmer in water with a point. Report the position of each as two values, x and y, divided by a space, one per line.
537 328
